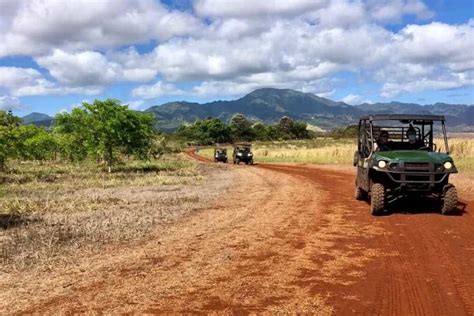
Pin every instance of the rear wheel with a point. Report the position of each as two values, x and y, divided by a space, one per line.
450 200
377 199
360 194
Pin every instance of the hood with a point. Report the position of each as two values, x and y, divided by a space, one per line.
412 156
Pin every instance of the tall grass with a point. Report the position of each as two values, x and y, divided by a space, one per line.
318 151
340 151
462 151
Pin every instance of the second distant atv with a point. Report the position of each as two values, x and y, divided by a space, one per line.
220 154
242 153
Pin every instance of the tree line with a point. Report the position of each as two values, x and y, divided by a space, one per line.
213 130
106 130
101 130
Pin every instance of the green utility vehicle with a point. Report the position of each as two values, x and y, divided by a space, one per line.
396 156
242 153
220 154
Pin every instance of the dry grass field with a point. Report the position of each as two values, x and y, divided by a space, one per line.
340 151
52 212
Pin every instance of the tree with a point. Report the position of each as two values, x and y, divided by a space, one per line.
8 125
261 131
345 132
290 129
206 132
41 146
103 127
300 130
74 135
241 128
285 127
34 142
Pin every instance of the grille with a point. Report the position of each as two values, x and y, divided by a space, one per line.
417 166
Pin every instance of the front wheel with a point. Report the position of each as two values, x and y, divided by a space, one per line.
450 200
377 199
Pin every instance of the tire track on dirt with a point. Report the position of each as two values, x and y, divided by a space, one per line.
424 271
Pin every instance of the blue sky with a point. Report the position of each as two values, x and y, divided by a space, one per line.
55 55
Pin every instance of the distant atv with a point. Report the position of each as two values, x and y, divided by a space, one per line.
396 157
242 153
220 154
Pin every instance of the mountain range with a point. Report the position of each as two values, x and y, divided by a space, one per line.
269 105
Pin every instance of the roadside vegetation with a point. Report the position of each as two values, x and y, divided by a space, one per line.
101 175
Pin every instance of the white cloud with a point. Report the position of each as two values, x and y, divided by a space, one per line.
28 81
156 90
49 88
436 43
34 27
8 103
325 94
242 8
230 47
443 82
136 104
341 13
13 77
85 68
393 10
352 99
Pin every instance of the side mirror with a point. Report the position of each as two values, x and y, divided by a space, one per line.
356 158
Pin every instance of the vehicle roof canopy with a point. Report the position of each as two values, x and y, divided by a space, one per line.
418 118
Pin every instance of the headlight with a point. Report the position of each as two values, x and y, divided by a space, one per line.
250 154
239 154
447 165
382 164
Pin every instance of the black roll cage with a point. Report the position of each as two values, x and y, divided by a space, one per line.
220 150
366 139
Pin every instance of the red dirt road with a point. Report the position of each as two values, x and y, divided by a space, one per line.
286 239
428 269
